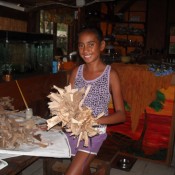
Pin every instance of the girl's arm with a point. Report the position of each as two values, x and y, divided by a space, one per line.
119 115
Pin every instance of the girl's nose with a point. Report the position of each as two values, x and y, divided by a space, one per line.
85 48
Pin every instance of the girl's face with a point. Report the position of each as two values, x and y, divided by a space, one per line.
90 47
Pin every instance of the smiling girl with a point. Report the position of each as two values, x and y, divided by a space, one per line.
104 82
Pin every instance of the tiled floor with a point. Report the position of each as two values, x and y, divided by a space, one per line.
141 167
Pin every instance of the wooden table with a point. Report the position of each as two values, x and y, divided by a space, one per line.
17 164
35 89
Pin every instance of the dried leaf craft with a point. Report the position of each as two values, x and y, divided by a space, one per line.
66 107
13 134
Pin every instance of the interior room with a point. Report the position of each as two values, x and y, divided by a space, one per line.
39 50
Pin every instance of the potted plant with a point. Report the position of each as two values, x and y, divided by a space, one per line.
6 72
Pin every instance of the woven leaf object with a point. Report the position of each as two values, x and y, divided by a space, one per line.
66 107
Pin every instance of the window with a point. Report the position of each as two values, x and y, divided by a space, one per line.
54 17
62 37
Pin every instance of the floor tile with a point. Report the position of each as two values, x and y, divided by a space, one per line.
139 166
142 167
153 169
35 169
120 172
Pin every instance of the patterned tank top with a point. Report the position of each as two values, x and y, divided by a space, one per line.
99 95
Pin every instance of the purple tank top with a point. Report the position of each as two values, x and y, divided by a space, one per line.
99 94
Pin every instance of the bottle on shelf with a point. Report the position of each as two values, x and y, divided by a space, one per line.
54 66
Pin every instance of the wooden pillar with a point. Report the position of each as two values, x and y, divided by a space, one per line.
156 24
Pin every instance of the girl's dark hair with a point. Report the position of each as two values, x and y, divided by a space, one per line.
97 31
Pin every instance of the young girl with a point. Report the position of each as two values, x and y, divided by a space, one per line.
104 82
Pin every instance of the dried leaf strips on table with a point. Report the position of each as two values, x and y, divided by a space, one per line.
6 104
66 107
12 133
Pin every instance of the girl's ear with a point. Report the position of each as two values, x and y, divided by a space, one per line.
102 45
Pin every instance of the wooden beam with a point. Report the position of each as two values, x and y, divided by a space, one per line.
127 6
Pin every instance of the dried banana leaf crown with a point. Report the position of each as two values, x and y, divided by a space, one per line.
66 107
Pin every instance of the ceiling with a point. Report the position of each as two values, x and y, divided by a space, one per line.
32 4
29 5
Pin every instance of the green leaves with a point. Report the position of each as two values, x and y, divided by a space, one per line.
157 104
127 107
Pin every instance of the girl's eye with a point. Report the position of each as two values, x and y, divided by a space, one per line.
88 45
91 44
80 45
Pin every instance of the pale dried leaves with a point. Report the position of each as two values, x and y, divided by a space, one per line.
12 133
66 107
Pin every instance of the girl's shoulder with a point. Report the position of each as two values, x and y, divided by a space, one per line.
74 72
113 71
114 74
78 67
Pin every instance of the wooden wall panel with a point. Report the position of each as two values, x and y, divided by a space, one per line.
13 24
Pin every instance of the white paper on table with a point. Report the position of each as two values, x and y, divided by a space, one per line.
3 164
58 146
6 156
20 117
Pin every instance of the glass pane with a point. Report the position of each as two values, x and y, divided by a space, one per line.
46 26
62 37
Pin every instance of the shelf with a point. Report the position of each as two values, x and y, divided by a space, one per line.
131 22
130 33
27 52
135 34
127 26
22 36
